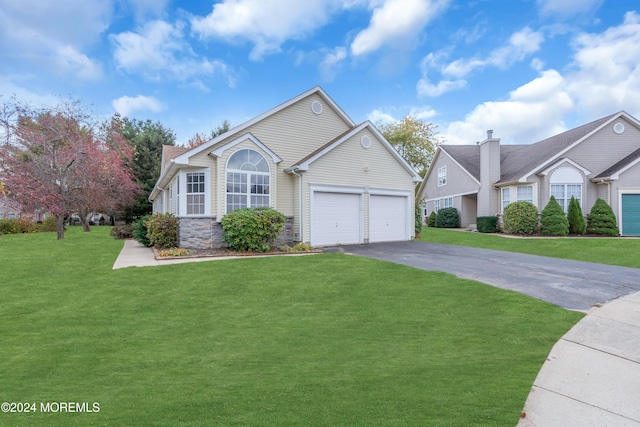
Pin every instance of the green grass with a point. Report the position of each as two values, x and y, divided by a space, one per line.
602 250
319 340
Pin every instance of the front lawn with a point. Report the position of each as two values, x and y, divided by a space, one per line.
602 250
318 340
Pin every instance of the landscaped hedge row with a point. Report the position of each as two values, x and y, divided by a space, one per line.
26 225
487 224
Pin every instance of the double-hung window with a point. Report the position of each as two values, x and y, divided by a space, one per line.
506 197
525 193
442 176
448 202
248 181
436 205
564 192
195 193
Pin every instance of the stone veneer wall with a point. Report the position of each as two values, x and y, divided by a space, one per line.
206 233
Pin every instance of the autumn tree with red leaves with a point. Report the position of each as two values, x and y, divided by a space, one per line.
61 160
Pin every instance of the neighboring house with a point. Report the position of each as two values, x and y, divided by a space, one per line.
600 159
337 182
10 208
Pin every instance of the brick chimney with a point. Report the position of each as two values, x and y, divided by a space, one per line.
488 197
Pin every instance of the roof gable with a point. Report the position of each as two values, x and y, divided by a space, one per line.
615 170
219 151
304 163
184 158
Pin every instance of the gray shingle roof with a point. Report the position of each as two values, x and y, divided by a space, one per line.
518 160
621 164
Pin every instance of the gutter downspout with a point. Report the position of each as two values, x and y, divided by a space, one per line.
293 171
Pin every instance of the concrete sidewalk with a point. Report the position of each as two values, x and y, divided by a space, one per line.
592 375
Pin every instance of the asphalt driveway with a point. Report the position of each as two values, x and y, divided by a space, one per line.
570 284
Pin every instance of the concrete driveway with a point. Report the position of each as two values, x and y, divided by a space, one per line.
570 284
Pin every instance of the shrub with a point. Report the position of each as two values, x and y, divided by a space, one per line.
553 221
575 217
162 230
431 221
8 226
520 218
121 232
252 230
140 231
487 224
418 218
48 224
173 252
447 218
601 220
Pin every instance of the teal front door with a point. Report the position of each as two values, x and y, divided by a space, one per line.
631 214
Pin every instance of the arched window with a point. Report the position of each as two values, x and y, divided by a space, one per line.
248 180
565 183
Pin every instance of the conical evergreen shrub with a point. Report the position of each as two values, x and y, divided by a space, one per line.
431 222
553 221
575 217
601 220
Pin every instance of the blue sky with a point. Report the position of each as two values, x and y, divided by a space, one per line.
527 69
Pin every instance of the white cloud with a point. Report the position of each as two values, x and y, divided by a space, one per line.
521 44
533 112
54 34
606 71
265 23
396 23
159 50
393 114
126 104
567 8
331 63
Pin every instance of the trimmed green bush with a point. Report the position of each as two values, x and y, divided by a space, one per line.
520 218
553 221
140 231
162 230
601 220
575 217
418 218
431 220
252 230
487 224
447 218
121 232
48 224
18 225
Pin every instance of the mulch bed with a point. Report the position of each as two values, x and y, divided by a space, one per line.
224 252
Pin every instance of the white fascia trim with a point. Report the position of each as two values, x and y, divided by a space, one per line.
624 169
560 154
236 130
162 181
389 192
304 166
218 152
448 196
330 188
584 170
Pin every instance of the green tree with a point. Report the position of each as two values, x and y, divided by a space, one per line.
414 139
553 221
200 138
146 138
575 217
601 220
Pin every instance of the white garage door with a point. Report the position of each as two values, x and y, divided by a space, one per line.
335 218
387 218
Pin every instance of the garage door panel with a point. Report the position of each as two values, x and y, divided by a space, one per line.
631 214
387 218
336 218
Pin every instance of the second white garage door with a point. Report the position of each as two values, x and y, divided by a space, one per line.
335 219
387 218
